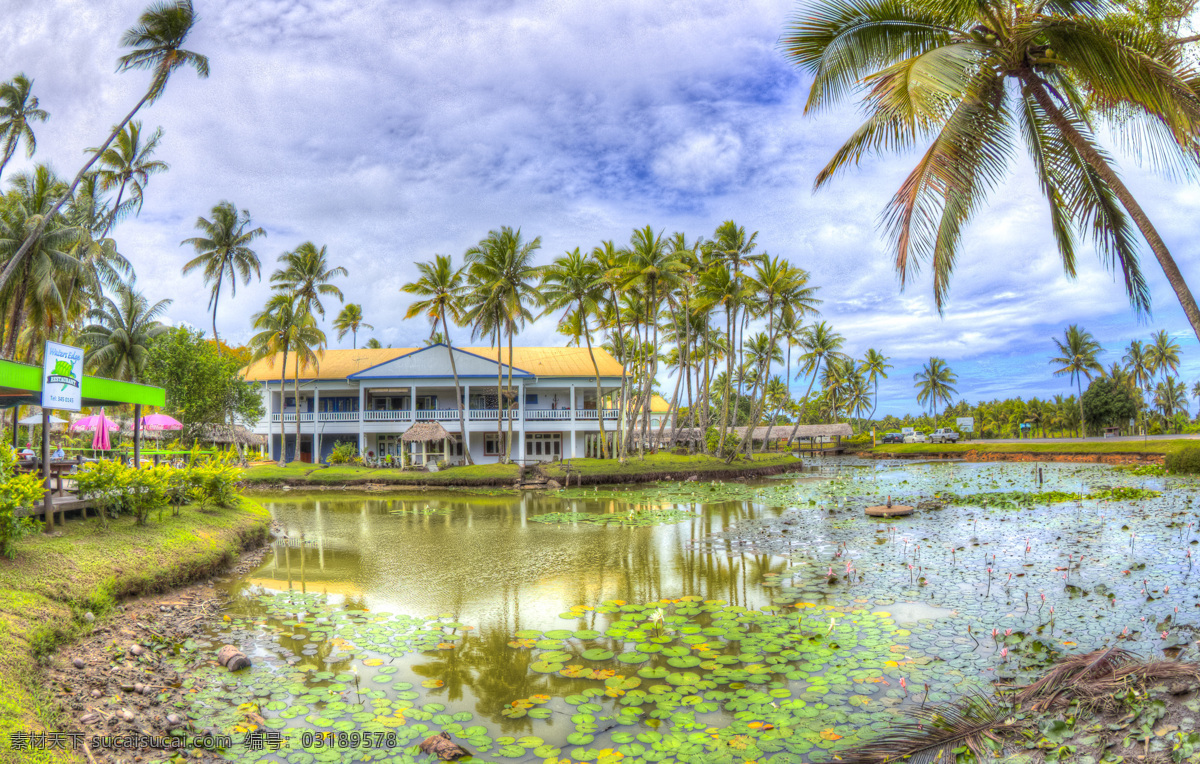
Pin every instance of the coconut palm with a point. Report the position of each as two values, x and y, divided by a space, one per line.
1196 391
307 344
275 324
372 344
820 343
441 289
1077 358
501 278
307 275
734 250
935 384
1139 365
18 109
350 320
127 165
1170 396
974 77
118 339
574 283
157 42
875 364
99 265
1163 353
223 252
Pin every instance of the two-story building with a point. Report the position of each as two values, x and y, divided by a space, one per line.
372 397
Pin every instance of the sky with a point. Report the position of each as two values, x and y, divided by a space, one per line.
390 132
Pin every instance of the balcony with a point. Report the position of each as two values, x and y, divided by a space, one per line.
385 416
592 414
450 415
338 416
290 416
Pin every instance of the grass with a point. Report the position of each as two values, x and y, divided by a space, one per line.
660 465
301 473
54 580
1092 447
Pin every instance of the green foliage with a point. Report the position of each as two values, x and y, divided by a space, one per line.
712 440
115 488
1107 403
203 385
1185 461
215 480
343 452
105 484
15 491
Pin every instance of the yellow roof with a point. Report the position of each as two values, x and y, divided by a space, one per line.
542 362
659 403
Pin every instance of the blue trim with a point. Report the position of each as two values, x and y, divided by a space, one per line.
449 377
363 374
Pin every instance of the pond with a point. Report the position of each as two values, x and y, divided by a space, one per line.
686 621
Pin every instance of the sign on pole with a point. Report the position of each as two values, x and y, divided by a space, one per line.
62 377
965 423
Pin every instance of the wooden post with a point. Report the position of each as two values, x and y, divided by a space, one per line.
47 499
16 412
137 435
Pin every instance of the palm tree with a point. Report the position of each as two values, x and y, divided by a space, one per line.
734 249
1170 396
1140 368
1163 353
935 383
875 364
307 275
99 265
118 339
820 343
372 344
18 108
350 319
157 42
441 287
574 283
501 277
1196 390
1077 357
307 344
275 325
977 76
127 165
223 251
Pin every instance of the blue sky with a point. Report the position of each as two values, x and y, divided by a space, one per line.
393 131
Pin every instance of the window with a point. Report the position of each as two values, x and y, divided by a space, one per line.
530 399
543 444
491 444
426 402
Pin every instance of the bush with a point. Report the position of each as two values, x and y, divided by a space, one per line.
712 439
15 491
344 452
1185 461
215 480
105 484
680 450
115 488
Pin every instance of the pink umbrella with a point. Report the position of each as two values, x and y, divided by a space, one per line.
100 424
160 422
100 440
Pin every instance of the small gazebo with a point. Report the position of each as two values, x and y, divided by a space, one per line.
425 433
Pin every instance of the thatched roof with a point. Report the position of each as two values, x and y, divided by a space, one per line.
784 431
209 433
423 432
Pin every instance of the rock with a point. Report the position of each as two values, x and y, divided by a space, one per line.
127 715
930 504
136 649
97 692
89 718
174 720
232 658
442 746
692 479
89 617
553 484
882 510
78 663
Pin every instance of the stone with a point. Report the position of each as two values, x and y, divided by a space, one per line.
89 617
883 510
553 484
78 663
136 649
442 746
232 658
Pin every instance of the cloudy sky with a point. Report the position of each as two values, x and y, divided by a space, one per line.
391 131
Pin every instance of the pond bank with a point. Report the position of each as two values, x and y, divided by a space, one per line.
981 455
47 591
652 468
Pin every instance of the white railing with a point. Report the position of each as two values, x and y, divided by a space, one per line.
291 417
537 415
592 414
339 416
438 415
491 415
387 416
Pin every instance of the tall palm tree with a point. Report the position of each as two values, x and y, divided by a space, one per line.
118 339
275 324
935 383
1163 353
350 320
875 364
977 76
441 289
735 250
305 273
612 266
501 278
127 164
820 343
223 251
99 265
307 344
18 109
1077 358
157 42
574 283
372 344
1140 368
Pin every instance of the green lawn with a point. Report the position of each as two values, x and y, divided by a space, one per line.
300 473
1092 447
54 580
660 465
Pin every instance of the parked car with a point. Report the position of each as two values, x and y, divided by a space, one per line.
915 437
892 437
943 435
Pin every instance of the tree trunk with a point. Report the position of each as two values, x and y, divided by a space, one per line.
511 414
27 244
216 298
1102 168
729 341
282 424
297 388
764 377
587 335
499 396
803 403
462 417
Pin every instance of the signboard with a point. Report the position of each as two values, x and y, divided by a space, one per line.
62 377
965 423
906 430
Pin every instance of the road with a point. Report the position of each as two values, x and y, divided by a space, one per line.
1031 441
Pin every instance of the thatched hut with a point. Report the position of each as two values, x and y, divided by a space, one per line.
423 439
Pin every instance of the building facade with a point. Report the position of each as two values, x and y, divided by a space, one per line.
372 397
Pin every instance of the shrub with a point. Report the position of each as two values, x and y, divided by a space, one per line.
1185 461
344 452
147 490
712 439
680 450
215 481
15 491
105 484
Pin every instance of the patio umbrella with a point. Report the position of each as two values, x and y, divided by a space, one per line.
160 422
100 424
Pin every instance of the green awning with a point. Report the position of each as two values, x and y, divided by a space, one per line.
21 385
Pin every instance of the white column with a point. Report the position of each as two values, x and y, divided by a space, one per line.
521 420
412 401
270 424
362 415
572 452
316 424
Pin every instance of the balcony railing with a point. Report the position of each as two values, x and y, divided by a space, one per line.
338 416
451 415
540 415
387 416
491 415
437 415
290 416
591 414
